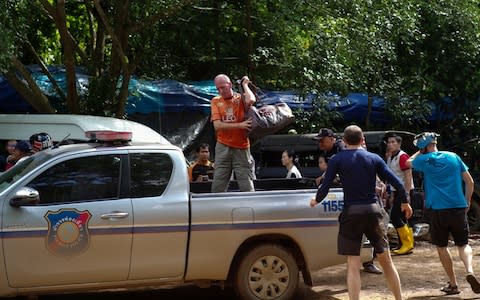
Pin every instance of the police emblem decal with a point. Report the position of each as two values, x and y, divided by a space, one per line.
67 231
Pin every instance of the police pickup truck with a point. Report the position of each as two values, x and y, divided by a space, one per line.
116 211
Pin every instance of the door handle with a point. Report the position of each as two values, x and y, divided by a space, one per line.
115 215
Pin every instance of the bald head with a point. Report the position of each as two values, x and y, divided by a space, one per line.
224 86
222 78
353 135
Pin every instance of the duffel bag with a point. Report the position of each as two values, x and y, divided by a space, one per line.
266 118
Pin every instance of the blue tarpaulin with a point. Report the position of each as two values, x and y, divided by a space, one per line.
180 111
11 101
172 96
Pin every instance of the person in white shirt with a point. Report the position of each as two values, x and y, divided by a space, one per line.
397 162
289 160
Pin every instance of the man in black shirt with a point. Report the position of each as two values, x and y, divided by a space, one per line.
328 143
202 169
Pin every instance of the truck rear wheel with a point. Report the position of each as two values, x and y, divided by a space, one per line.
267 272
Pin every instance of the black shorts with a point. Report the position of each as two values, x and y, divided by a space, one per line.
446 221
357 220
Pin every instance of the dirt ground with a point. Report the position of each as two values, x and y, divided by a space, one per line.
421 275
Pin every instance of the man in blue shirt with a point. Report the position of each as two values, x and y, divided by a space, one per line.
443 175
358 170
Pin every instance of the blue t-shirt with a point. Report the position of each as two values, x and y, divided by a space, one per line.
358 170
442 179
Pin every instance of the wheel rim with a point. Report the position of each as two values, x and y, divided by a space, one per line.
268 277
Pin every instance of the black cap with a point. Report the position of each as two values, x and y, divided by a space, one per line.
23 146
324 132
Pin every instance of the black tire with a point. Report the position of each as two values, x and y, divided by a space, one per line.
267 272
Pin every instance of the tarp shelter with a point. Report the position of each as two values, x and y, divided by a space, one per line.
181 111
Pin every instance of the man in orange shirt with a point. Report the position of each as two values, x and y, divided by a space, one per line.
232 151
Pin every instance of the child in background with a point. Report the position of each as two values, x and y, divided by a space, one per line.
322 164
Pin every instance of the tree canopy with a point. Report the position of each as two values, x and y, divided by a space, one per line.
411 53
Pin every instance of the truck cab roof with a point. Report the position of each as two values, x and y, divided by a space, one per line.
59 126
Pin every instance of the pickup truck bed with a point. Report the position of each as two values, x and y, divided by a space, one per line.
260 185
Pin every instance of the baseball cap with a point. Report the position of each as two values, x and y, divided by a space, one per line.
424 139
324 132
23 146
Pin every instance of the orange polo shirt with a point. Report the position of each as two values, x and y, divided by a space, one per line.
230 111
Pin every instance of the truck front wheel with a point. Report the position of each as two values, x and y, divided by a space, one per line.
267 272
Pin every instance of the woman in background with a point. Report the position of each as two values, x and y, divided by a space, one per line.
289 160
322 165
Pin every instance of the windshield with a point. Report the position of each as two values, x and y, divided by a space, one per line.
10 176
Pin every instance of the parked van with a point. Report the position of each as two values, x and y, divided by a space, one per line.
267 152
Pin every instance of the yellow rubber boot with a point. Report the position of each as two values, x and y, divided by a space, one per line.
410 235
406 236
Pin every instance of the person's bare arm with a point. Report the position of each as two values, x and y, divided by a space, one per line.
467 178
407 210
218 124
248 94
408 180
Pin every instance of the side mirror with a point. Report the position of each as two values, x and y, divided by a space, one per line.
25 197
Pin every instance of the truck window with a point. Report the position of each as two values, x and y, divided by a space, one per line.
150 174
80 179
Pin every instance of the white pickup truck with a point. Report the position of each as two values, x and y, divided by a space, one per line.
109 213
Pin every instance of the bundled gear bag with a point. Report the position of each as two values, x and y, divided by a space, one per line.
266 118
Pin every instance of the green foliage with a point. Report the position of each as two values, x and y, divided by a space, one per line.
204 40
320 116
412 53
445 63
10 22
357 49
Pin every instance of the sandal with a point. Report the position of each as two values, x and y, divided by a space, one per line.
450 289
474 283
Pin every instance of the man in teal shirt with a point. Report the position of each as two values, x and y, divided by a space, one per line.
444 194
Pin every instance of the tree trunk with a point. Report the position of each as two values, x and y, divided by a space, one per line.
123 95
217 35
250 50
98 58
369 111
30 91
119 35
46 72
69 58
